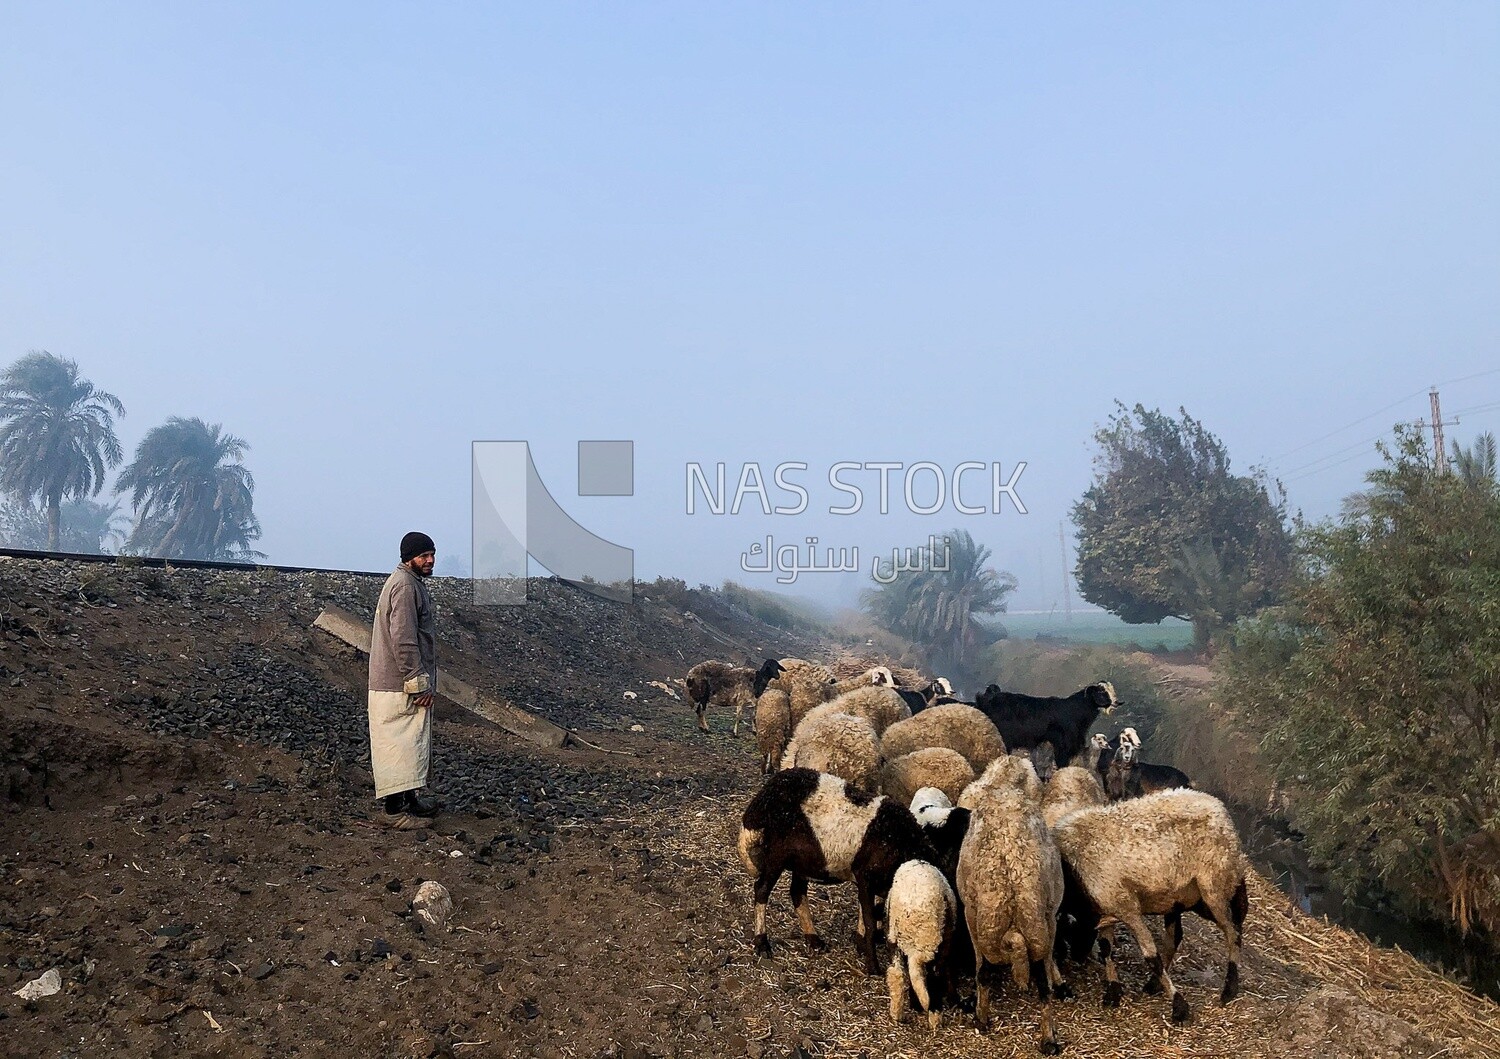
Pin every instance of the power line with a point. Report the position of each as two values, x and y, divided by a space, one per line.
1385 408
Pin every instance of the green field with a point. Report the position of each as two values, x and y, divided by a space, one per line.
1097 627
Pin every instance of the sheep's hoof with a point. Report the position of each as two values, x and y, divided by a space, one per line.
872 968
934 1021
1049 1046
815 943
1180 1009
762 946
1114 992
1062 991
1154 987
1231 984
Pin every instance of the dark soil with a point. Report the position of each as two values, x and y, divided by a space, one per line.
188 835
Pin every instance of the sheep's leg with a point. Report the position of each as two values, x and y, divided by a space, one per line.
867 925
699 707
1114 992
804 914
981 993
1047 1044
739 709
895 980
1060 988
919 986
1159 977
1172 937
764 884
1229 916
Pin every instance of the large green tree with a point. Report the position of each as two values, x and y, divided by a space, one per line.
943 601
192 495
1376 688
1167 530
57 435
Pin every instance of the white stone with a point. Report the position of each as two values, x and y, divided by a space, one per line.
47 985
432 903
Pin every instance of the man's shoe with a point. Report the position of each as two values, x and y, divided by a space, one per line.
418 806
402 821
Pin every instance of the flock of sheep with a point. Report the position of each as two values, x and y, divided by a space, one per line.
964 837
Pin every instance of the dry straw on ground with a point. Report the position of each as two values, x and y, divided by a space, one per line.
1309 989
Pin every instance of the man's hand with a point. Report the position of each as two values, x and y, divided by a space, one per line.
423 701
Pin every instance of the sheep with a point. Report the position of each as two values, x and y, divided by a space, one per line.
1162 854
946 826
1028 720
921 913
1077 923
1010 881
1097 755
842 744
728 685
955 726
819 828
773 724
806 684
933 766
1130 777
881 706
1070 788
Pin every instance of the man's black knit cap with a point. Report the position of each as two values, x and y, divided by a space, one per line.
414 544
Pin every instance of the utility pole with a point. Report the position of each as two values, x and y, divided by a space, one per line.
1437 433
1067 576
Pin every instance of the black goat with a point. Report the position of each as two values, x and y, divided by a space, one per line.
1027 721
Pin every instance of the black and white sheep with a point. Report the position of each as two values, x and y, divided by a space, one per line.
918 699
1163 854
1129 777
921 915
723 684
1010 881
820 829
1027 721
955 726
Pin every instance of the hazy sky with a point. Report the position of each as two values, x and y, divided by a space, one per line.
363 236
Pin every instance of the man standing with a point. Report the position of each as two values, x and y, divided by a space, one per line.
403 677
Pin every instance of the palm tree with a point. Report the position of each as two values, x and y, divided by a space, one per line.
943 608
1476 465
57 435
192 496
951 603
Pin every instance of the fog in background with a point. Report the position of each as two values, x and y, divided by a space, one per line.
363 236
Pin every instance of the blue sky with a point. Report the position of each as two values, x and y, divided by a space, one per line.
363 236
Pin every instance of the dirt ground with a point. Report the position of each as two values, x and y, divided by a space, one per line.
187 837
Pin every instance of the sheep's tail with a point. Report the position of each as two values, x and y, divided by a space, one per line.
752 842
1020 968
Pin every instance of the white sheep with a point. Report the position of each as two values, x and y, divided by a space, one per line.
934 766
921 913
1163 854
881 706
955 725
840 744
773 726
1010 881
